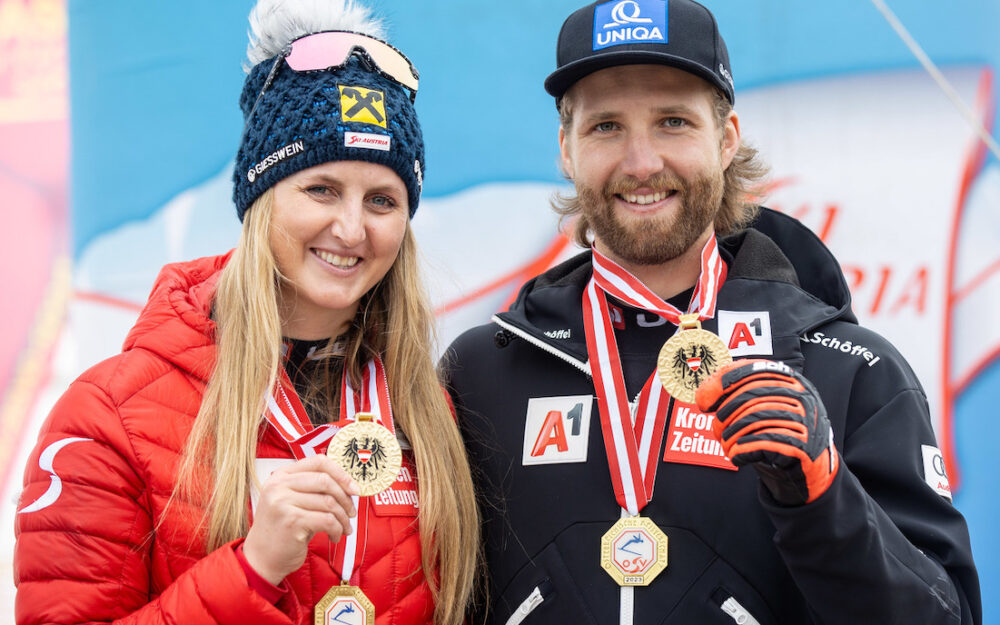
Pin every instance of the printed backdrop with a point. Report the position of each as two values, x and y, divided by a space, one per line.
866 149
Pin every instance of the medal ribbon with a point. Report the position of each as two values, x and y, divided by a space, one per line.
286 414
632 449
373 397
623 286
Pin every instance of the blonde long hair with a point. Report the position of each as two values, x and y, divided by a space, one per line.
394 320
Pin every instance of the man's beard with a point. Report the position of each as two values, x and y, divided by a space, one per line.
657 240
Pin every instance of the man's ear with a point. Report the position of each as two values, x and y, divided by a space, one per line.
730 138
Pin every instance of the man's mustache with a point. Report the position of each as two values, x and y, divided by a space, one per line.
659 181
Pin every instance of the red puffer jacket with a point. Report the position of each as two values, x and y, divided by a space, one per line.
104 467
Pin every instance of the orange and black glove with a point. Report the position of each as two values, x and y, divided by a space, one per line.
772 418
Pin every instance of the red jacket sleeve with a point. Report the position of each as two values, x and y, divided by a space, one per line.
85 538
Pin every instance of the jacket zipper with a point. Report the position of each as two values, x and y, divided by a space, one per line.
582 366
527 606
738 613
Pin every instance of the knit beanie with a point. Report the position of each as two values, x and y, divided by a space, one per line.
303 119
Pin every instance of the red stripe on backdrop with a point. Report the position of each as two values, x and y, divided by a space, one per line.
976 282
516 277
976 157
108 300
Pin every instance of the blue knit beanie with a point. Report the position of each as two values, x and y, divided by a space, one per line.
307 118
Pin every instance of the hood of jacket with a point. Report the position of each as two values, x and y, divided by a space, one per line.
806 288
176 322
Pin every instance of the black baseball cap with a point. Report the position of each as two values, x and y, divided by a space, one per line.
679 33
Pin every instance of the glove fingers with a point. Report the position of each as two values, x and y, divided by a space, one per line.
742 408
799 412
783 449
743 375
776 422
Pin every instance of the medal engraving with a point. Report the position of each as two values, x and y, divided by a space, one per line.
344 605
369 453
688 358
634 551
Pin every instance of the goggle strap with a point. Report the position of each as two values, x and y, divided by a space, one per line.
267 83
367 60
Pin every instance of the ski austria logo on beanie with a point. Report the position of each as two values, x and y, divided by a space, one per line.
304 119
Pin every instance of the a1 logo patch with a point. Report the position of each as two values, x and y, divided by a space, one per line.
556 429
746 333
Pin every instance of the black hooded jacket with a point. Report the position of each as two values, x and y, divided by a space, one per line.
880 546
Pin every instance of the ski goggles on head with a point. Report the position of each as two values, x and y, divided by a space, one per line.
332 48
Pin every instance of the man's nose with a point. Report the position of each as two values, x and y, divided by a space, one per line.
641 158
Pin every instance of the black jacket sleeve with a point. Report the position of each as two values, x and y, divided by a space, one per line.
881 546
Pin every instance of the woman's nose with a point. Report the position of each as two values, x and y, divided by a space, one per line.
348 225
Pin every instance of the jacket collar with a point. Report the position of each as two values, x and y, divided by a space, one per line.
176 322
776 249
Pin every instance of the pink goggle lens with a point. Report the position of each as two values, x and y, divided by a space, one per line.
332 49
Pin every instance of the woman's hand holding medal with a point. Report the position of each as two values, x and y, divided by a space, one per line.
296 502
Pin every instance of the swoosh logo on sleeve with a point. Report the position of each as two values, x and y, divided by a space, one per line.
45 461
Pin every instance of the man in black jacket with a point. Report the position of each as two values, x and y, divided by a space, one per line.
799 484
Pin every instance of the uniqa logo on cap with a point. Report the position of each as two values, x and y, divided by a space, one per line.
630 21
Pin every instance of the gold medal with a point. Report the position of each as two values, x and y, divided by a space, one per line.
369 453
689 357
634 551
344 604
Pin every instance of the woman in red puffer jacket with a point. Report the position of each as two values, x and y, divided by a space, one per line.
187 479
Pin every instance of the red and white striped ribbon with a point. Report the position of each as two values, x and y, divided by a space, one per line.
288 417
374 384
632 448
622 285
372 397
286 414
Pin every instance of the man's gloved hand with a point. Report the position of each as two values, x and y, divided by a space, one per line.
769 416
